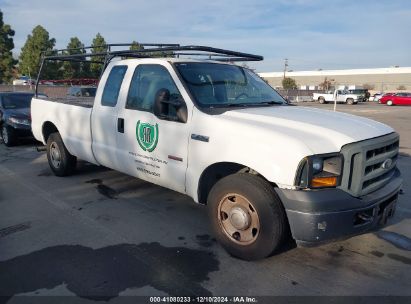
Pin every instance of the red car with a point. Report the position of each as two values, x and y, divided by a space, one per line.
396 99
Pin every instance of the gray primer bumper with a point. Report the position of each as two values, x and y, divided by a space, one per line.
317 216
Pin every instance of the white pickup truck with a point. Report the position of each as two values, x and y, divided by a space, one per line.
215 131
342 96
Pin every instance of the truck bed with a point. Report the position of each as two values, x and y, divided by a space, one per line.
72 119
86 102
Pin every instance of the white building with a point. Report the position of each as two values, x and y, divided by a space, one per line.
379 79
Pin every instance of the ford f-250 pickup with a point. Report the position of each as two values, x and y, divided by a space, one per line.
342 96
217 132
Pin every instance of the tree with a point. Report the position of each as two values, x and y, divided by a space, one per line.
326 84
99 45
6 56
30 55
289 83
401 87
135 46
75 69
368 86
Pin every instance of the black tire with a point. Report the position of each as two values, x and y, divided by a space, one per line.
350 101
390 103
273 225
63 163
8 135
321 100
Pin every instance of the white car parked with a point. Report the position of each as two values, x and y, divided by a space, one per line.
23 80
340 95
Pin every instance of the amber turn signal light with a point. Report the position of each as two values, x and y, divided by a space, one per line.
324 181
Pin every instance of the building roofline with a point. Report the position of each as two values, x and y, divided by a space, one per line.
376 71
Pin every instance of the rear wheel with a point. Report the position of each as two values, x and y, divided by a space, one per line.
321 100
8 135
61 162
389 103
246 216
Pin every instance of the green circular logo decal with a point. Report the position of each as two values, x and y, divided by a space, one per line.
147 136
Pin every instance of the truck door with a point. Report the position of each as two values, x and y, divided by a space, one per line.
104 117
153 130
340 96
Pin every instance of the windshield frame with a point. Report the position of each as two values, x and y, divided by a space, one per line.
13 95
221 108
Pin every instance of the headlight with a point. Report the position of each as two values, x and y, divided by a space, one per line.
320 171
19 121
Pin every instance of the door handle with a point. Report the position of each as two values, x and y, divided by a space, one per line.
120 125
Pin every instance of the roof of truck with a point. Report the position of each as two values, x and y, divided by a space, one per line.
174 60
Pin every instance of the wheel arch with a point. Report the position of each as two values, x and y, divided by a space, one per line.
47 129
216 171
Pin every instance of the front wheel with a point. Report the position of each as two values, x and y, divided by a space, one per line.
61 162
8 135
390 103
246 216
350 101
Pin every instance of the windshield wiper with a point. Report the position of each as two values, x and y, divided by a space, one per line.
264 103
272 102
248 104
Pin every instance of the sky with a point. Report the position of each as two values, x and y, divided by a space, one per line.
312 34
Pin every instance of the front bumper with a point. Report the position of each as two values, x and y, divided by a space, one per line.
21 130
318 216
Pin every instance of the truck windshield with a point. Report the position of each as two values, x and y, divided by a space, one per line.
357 91
225 85
16 101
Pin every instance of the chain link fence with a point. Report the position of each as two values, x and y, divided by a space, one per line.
50 91
296 95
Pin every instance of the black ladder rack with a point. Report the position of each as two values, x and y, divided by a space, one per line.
149 50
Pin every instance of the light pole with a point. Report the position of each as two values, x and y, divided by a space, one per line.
285 66
335 96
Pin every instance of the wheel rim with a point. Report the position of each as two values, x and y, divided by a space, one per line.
55 155
4 135
389 102
238 219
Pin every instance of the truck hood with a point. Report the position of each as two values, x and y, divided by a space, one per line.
322 131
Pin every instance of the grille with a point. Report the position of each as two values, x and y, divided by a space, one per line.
363 167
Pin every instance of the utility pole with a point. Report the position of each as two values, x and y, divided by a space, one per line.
285 66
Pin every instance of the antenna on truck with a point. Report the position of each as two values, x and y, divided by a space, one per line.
146 50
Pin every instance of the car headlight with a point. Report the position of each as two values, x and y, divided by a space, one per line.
19 121
320 171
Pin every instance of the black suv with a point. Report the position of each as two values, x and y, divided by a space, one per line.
15 118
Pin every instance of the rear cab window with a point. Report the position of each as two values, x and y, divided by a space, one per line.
113 85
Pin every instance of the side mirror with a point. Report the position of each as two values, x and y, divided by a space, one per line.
177 103
163 104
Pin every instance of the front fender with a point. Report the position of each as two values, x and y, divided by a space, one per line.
273 155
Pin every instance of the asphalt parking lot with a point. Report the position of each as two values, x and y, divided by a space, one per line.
100 234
